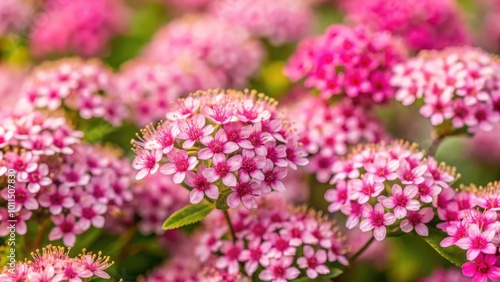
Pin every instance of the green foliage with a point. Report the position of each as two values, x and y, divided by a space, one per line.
188 215
453 254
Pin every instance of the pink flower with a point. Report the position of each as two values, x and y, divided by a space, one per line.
193 130
418 220
482 268
280 270
66 228
23 198
146 162
365 188
401 200
21 218
201 186
38 178
179 163
223 169
354 211
209 243
376 219
281 246
24 163
383 169
165 136
74 175
411 175
232 256
90 213
216 146
57 199
244 192
337 197
252 165
255 138
257 253
272 177
313 262
477 242
427 190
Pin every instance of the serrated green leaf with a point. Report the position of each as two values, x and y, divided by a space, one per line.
188 215
453 254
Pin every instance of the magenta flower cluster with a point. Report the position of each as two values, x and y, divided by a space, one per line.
387 186
85 86
327 130
54 264
423 24
459 87
471 218
226 143
77 27
348 61
280 21
75 183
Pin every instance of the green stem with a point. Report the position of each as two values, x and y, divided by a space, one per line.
231 227
434 146
362 250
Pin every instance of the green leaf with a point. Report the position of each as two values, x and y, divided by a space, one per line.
188 215
453 253
221 202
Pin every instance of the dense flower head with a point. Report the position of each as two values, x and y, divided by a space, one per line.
14 16
221 143
227 54
350 61
55 264
77 27
280 21
458 87
277 242
442 274
471 218
75 183
387 186
327 130
423 24
85 86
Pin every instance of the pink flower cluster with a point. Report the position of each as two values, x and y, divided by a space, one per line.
387 186
149 89
85 86
226 143
326 130
274 243
75 183
280 21
227 54
54 264
77 27
423 24
458 86
471 218
450 274
154 200
10 79
185 267
350 61
14 16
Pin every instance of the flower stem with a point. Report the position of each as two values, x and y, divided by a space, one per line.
231 227
434 146
362 250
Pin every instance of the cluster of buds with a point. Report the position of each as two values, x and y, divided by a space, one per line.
387 186
459 87
75 182
55 264
84 86
471 218
221 144
348 61
277 242
327 130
